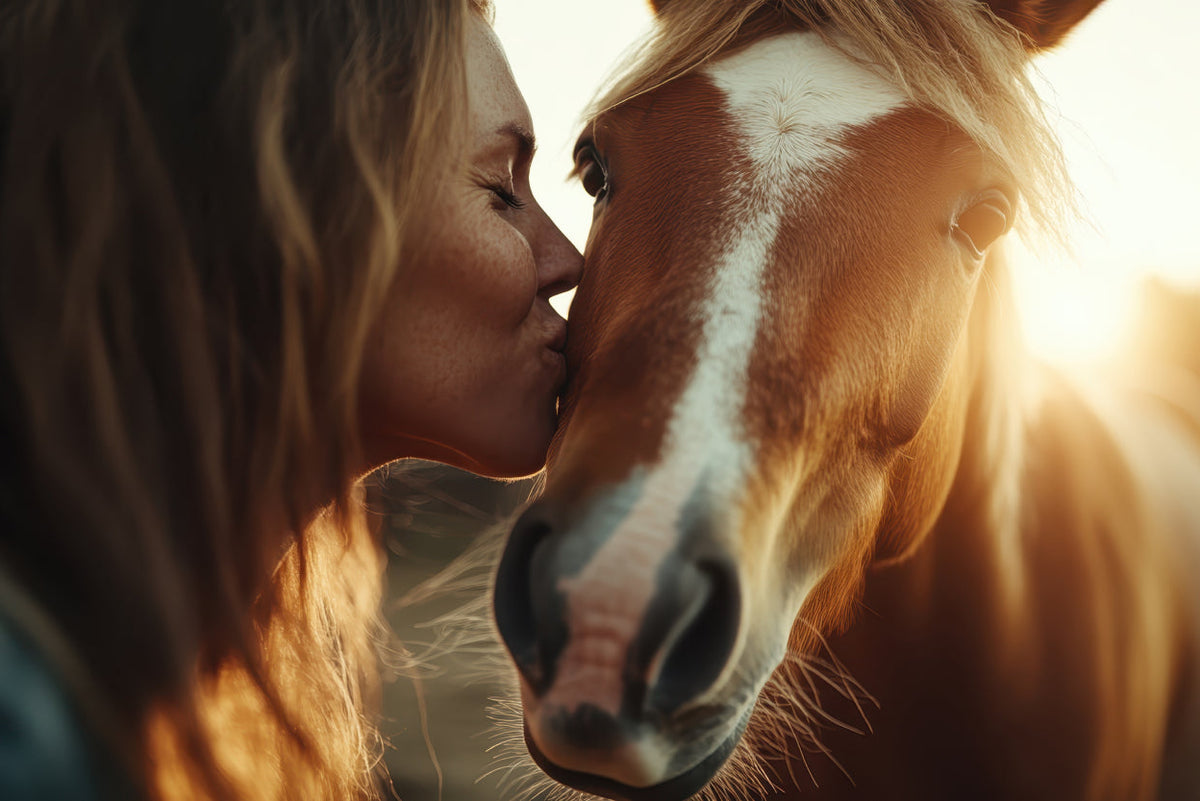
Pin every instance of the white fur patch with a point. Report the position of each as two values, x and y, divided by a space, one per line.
793 97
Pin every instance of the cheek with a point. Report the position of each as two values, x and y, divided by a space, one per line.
937 318
477 280
490 277
455 357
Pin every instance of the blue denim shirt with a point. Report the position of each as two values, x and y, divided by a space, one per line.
46 754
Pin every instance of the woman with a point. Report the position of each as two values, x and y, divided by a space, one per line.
248 251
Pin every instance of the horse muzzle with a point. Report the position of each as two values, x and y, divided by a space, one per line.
622 630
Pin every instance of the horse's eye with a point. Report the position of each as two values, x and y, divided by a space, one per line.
590 169
985 221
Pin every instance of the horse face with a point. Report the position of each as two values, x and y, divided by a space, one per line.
766 366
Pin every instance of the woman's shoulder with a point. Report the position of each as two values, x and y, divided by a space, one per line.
45 752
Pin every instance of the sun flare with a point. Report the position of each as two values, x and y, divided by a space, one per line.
1074 319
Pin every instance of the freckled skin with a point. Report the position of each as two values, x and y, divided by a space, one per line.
462 365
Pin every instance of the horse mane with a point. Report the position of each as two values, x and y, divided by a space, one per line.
954 57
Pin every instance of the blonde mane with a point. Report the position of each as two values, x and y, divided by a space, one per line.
951 56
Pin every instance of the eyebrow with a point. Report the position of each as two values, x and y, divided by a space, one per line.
526 142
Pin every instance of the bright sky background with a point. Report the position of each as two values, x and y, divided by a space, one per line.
1124 85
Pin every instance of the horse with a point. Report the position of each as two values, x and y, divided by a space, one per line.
815 524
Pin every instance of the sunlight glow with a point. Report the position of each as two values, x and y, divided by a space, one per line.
1074 319
1126 117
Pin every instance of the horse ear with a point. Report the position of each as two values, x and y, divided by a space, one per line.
1044 22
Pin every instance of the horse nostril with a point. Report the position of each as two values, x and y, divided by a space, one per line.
697 646
528 612
685 633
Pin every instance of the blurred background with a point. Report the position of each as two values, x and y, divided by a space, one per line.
1123 90
436 698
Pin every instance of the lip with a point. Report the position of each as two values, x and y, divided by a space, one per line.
679 788
557 362
558 339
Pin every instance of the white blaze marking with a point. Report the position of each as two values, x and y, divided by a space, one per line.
793 97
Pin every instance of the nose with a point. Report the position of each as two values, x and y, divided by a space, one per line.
559 262
668 651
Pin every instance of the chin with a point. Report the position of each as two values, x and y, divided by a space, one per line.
514 462
698 751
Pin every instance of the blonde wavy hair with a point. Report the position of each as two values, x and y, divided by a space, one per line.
201 206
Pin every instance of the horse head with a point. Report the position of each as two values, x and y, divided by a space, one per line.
771 357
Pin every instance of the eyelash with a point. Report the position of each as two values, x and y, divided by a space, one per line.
506 197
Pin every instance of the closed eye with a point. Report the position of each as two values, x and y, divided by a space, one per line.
506 197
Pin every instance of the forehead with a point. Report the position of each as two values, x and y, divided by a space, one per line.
493 96
794 95
790 98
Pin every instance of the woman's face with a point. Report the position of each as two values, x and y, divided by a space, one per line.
465 364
